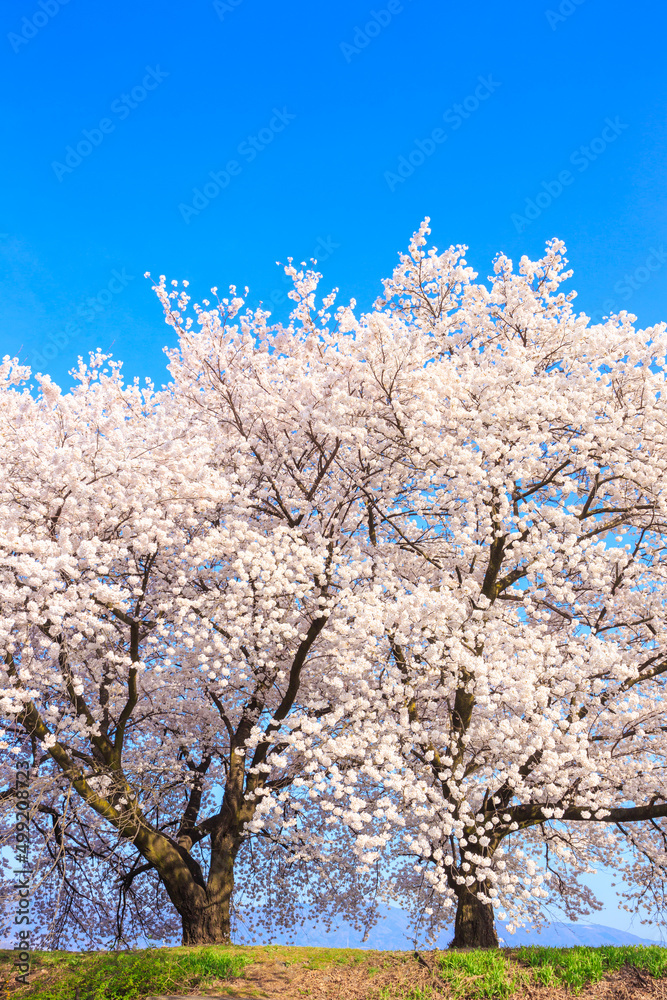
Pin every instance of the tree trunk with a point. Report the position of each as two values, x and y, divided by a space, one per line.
475 925
205 915
207 923
203 905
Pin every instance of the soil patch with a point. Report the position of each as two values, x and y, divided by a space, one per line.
399 976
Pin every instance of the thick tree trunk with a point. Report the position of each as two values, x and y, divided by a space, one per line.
205 914
203 905
205 910
207 923
475 925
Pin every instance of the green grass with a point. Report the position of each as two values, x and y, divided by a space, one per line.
575 967
480 974
487 974
416 993
469 975
320 958
125 975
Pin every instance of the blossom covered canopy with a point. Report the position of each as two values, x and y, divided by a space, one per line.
380 582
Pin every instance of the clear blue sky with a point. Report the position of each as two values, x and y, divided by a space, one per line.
345 124
351 104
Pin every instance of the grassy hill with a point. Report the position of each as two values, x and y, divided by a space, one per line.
293 973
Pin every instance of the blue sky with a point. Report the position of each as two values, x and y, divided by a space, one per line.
323 130
317 106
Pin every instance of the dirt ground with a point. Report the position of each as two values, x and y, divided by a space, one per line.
385 977
283 973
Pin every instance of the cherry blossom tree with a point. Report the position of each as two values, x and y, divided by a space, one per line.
159 628
397 577
514 474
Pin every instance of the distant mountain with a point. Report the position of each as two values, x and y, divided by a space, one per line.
392 932
560 935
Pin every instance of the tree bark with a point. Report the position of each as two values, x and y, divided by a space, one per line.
204 909
208 922
205 912
475 924
202 904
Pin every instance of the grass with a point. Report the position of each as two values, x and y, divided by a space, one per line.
321 958
576 967
469 975
496 974
480 974
416 993
129 975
